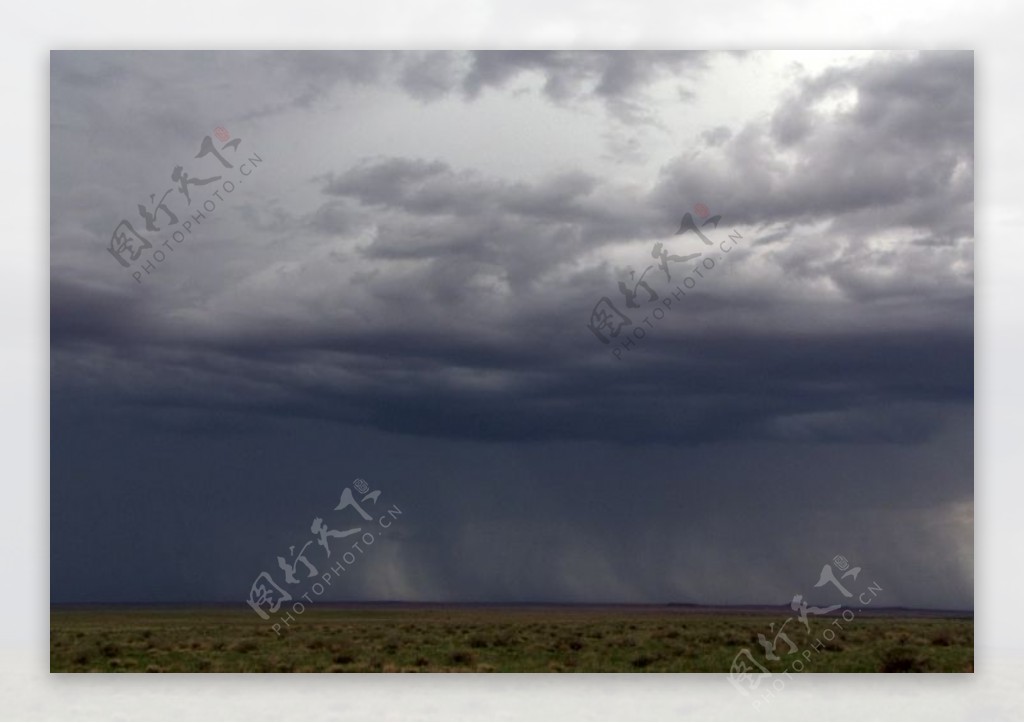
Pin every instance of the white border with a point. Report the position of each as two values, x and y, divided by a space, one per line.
29 31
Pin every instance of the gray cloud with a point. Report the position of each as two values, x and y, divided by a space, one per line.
424 318
899 155
617 78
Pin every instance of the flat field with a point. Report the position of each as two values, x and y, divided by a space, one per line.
525 639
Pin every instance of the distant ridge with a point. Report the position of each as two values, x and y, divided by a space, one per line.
681 607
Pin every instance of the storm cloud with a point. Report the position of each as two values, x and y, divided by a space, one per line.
402 288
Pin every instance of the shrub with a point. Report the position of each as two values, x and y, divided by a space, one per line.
900 660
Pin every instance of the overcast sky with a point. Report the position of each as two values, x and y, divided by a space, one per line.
400 290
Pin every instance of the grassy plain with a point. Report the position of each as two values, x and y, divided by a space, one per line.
495 639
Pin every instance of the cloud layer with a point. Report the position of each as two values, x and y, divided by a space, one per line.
421 301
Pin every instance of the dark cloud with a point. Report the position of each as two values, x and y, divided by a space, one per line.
85 314
423 319
617 78
884 145
470 226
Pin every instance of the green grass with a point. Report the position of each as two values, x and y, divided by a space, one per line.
512 640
